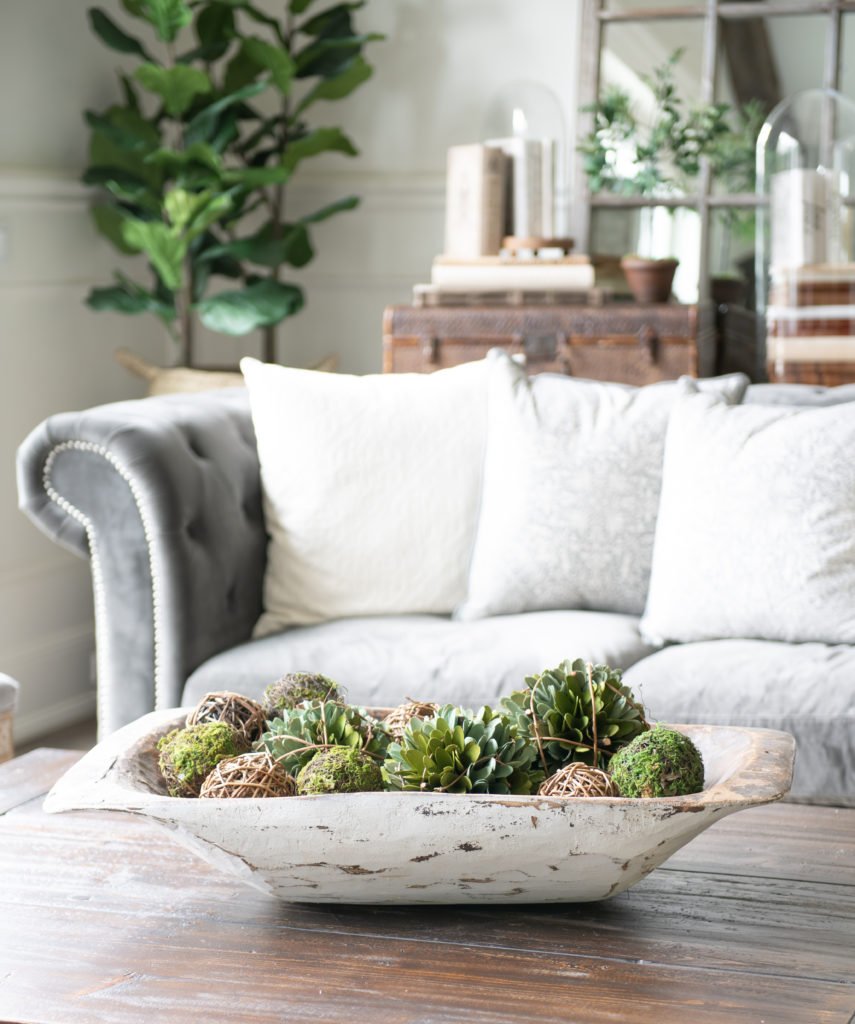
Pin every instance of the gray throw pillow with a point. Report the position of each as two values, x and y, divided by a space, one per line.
570 491
756 529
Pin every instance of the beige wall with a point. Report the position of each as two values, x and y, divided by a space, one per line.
435 75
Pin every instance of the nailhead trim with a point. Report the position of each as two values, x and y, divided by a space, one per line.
103 697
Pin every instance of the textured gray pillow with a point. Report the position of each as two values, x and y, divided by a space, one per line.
756 529
570 491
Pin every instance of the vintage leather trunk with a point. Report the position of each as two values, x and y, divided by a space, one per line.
627 343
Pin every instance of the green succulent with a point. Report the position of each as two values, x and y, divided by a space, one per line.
576 712
661 762
458 752
294 739
295 687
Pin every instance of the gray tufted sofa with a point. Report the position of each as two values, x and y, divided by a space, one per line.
163 496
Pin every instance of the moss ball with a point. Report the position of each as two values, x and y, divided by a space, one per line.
340 770
660 762
188 755
295 687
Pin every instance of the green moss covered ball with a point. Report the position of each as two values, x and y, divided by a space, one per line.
188 755
295 687
660 762
340 770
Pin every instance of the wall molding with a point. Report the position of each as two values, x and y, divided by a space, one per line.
62 185
77 708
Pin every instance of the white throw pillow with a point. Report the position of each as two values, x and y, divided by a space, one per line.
571 490
370 489
756 529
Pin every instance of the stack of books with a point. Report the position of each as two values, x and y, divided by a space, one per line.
810 316
499 227
508 280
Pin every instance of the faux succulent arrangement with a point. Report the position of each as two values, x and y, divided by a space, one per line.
575 730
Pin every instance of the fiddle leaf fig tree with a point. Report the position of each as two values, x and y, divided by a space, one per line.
221 109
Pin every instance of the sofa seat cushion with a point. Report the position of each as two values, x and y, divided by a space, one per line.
384 660
803 689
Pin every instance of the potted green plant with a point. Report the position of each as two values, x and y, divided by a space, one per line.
657 156
216 117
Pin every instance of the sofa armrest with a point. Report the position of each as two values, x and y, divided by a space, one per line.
163 496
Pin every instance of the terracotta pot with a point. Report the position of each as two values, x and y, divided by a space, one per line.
649 280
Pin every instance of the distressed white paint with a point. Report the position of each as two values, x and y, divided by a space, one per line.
431 847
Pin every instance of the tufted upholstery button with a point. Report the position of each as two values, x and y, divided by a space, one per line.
193 445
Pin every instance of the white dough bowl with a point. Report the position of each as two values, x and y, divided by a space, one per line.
431 847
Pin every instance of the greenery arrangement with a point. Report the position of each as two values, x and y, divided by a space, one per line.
622 154
577 712
458 752
195 160
301 732
576 730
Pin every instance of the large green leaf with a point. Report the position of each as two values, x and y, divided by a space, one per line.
163 246
111 35
136 195
240 71
205 126
261 304
127 129
109 220
173 161
298 6
334 21
318 141
327 57
215 29
167 16
105 153
339 206
258 177
178 86
269 247
337 86
129 297
197 211
274 59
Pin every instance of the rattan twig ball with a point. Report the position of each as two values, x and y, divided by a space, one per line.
249 775
578 779
243 714
397 719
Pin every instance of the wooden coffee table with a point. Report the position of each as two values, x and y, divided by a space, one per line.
105 918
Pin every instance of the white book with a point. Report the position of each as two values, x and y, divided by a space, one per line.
569 274
474 200
525 186
802 217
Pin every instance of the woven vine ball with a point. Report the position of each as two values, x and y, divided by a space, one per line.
398 718
577 779
244 715
250 775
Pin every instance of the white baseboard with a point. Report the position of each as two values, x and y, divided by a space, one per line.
31 726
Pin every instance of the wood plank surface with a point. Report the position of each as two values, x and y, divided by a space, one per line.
105 918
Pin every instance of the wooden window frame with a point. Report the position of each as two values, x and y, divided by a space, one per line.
595 15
